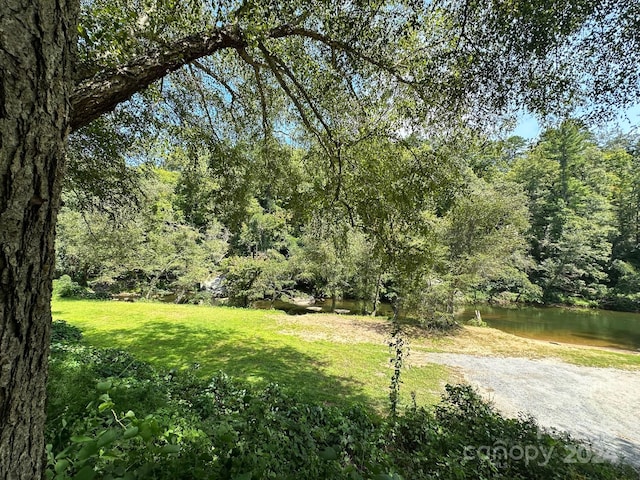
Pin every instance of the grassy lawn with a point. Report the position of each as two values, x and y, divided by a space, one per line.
327 357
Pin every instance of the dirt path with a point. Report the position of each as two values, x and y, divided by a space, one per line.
600 405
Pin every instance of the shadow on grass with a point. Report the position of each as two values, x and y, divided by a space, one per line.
253 359
410 327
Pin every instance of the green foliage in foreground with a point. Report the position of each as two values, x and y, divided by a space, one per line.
111 416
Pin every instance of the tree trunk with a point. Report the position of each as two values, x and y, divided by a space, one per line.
37 41
376 297
451 295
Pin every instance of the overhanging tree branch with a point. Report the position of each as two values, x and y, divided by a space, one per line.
287 71
288 30
296 101
103 92
234 95
203 100
257 66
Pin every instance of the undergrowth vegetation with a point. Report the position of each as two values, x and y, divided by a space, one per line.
111 416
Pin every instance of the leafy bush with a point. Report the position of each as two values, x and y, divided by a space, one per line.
247 279
186 427
477 320
628 302
65 287
199 298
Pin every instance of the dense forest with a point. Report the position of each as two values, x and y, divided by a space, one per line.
550 221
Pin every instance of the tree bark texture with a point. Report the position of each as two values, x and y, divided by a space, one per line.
37 41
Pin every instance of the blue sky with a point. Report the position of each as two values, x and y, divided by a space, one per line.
629 119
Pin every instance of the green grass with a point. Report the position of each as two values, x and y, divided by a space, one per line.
602 359
258 346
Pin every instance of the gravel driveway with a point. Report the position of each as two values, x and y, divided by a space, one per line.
600 405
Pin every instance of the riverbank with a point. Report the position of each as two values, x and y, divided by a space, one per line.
559 324
486 341
482 341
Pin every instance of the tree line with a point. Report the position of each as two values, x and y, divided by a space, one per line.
551 222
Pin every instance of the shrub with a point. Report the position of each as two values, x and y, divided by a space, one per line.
65 287
247 279
622 302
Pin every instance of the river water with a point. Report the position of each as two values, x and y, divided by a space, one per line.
602 328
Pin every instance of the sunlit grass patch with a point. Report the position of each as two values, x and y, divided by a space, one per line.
333 358
327 357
